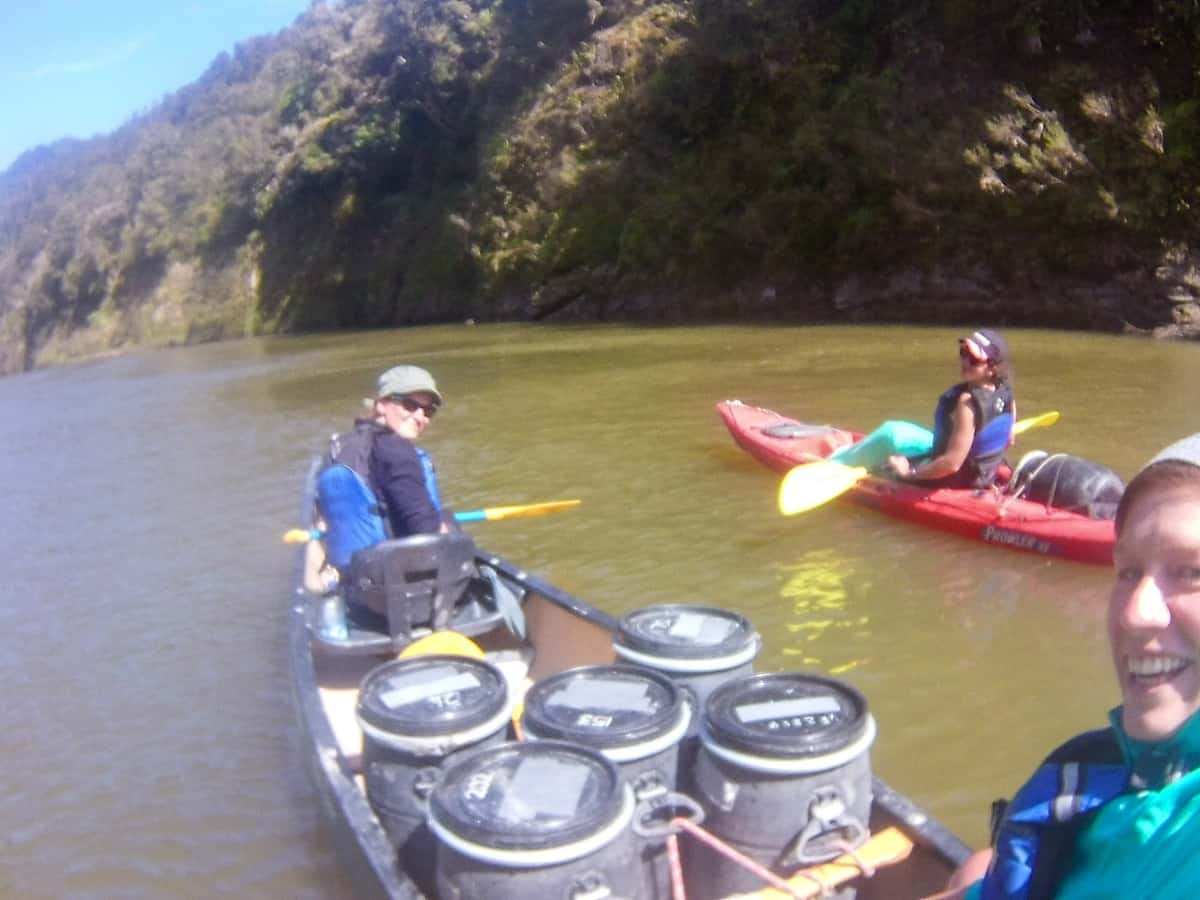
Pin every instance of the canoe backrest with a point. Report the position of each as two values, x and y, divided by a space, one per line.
414 581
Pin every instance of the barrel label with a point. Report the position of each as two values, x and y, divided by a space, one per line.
445 690
605 694
799 712
687 625
593 720
543 786
478 785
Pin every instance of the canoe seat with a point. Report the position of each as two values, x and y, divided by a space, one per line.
402 589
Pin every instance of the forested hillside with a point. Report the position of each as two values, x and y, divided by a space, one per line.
387 162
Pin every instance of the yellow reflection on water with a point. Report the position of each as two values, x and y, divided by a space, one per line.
825 626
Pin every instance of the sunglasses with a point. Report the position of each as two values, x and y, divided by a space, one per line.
430 409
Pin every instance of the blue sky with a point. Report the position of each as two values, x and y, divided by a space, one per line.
77 68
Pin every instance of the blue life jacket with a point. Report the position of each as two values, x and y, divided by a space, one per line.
355 518
993 428
1035 838
431 483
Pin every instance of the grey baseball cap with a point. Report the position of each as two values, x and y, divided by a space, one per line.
406 380
1186 451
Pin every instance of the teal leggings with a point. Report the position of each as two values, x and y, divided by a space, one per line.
894 437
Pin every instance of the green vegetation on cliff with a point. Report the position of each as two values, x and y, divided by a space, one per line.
387 162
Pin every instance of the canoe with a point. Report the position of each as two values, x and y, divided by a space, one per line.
914 853
992 517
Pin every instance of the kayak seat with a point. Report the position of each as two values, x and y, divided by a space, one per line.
399 590
817 440
797 430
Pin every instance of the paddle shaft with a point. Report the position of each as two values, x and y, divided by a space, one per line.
487 514
495 513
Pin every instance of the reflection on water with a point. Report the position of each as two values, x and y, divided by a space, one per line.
824 624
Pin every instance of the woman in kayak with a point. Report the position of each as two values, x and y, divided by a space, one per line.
1116 812
972 425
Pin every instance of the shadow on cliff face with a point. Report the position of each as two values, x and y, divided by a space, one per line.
699 148
379 236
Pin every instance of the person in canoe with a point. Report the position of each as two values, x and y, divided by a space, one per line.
376 483
1116 812
972 425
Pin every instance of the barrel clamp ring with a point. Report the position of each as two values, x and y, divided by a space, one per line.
656 815
827 813
425 780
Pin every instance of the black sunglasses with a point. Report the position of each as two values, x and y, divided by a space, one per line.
430 409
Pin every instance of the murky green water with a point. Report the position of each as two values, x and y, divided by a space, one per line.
148 738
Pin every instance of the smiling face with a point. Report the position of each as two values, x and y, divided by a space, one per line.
407 415
1154 610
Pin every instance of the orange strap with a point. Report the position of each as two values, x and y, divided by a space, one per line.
882 849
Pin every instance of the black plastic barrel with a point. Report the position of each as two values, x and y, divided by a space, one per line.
783 775
418 716
534 819
697 647
635 717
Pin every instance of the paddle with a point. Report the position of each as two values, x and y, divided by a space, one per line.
810 485
488 514
495 513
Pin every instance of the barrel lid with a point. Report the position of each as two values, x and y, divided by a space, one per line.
684 631
528 796
788 715
431 695
603 706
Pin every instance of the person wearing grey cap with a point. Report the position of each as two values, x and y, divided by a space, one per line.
1116 812
376 482
406 400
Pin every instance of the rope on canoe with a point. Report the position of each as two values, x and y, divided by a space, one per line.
741 859
676 863
868 870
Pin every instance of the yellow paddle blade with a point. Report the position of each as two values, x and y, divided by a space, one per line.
809 485
300 535
1047 418
448 642
529 509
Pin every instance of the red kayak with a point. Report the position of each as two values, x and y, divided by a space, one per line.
990 516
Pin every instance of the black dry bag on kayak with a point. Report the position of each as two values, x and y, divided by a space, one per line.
1068 482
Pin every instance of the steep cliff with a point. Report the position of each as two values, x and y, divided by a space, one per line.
387 162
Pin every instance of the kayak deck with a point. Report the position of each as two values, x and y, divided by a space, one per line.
990 516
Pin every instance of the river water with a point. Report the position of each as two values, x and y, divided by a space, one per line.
147 734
